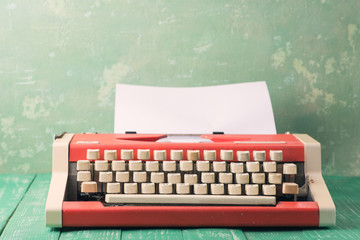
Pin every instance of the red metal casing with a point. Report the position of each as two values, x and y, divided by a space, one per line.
95 214
293 149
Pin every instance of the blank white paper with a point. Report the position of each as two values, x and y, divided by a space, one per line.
242 108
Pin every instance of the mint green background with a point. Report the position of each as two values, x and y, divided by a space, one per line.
60 61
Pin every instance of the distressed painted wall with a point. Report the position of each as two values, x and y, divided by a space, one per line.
60 61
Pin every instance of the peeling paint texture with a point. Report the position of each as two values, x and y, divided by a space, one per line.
60 61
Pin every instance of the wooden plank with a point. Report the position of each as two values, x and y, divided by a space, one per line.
274 233
28 221
163 234
12 189
213 233
345 192
86 233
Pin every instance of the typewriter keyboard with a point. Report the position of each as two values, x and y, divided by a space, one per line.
227 181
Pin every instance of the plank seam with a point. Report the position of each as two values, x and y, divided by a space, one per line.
246 237
27 189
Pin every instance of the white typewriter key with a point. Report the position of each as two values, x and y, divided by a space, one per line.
252 166
83 165
259 155
139 177
130 188
269 166
159 155
148 188
207 177
200 189
202 166
118 165
252 189
186 165
122 176
258 178
226 154
89 187
242 178
276 155
110 154
169 166
275 178
174 178
127 154
143 154
243 156
152 166
176 154
157 177
217 189
225 177
182 188
209 155
113 187
93 154
290 188
219 166
135 165
269 189
289 168
234 189
105 177
236 167
84 176
190 179
193 155
165 188
101 165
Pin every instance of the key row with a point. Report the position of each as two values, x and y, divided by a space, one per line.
185 166
191 179
183 188
176 154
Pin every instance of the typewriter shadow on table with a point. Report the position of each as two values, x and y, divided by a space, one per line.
246 229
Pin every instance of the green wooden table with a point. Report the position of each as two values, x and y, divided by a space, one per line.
23 197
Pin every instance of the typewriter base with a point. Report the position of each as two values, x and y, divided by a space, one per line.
94 214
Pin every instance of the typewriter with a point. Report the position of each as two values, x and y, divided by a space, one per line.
214 180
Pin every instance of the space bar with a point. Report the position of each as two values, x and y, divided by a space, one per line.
189 199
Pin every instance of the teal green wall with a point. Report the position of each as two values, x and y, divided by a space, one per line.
60 61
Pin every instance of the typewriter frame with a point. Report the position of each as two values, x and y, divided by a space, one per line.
318 212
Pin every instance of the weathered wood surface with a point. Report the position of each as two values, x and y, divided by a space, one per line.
213 233
86 233
27 222
12 189
163 234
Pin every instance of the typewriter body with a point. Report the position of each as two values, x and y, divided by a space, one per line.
215 180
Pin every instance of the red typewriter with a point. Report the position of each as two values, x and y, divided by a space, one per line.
215 180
